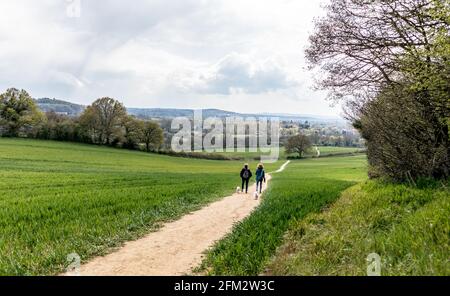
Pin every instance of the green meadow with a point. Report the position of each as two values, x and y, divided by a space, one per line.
320 216
325 151
323 217
305 186
58 198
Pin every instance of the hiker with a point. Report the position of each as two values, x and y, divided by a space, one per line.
246 174
260 177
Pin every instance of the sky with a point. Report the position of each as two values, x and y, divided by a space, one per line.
245 55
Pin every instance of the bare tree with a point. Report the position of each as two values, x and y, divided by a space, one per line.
361 44
298 144
377 54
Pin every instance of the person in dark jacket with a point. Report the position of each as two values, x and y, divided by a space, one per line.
260 177
246 174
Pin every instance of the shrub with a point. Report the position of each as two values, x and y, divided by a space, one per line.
404 140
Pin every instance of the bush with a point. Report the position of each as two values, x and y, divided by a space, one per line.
198 155
405 140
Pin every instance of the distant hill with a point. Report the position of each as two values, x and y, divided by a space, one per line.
59 106
171 113
72 109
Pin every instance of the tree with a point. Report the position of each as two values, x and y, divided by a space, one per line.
367 49
133 132
152 135
360 44
298 144
58 127
103 120
90 125
19 114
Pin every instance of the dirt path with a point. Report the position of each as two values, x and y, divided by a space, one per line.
178 246
283 167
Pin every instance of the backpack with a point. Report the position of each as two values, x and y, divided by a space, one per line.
245 174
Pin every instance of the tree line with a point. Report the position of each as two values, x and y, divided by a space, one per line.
104 122
390 61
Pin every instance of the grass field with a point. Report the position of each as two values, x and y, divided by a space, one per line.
324 152
318 217
408 227
314 222
58 198
306 186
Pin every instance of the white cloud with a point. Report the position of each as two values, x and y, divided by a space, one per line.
237 73
155 53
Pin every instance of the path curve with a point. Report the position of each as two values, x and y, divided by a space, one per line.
283 167
178 246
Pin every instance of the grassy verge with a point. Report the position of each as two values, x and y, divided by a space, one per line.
57 198
407 226
304 187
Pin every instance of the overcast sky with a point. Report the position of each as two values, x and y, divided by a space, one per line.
234 55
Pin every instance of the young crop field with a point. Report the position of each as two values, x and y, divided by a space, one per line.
59 198
305 187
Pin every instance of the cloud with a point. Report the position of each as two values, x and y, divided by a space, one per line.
158 53
236 73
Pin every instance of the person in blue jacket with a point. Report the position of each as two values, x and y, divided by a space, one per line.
260 177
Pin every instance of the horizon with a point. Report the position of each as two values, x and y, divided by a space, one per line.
230 55
336 117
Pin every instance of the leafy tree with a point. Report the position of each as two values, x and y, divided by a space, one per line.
19 115
58 127
298 144
90 125
152 135
133 132
103 120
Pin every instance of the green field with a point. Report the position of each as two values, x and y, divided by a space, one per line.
305 186
325 151
314 220
319 216
58 198
408 227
